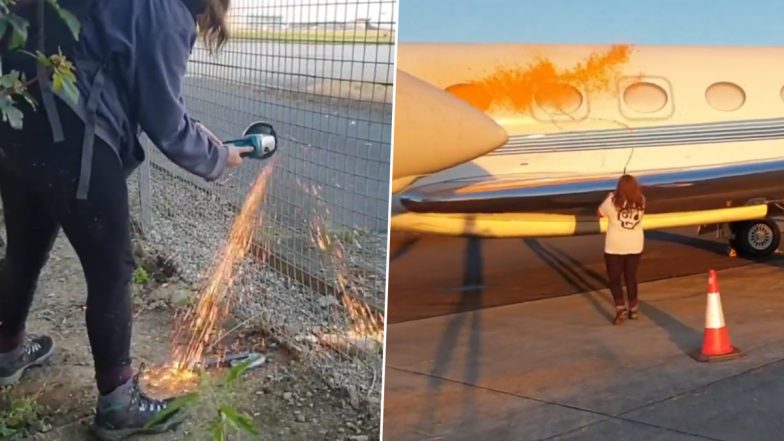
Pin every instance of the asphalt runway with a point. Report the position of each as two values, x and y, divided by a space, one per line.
295 65
431 276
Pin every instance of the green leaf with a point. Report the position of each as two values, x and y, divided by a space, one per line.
218 431
10 80
12 115
67 73
69 19
175 406
41 58
236 372
70 91
19 31
238 420
57 82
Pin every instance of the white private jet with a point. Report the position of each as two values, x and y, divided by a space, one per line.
526 140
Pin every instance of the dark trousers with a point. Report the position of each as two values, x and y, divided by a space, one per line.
38 182
623 268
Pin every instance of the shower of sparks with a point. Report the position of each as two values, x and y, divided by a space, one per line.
364 321
215 300
168 381
200 325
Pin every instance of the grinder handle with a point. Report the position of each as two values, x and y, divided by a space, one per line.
243 142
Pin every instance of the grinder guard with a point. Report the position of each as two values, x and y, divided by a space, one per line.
262 137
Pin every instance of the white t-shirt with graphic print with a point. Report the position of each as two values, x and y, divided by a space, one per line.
625 234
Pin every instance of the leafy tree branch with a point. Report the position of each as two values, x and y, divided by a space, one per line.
14 86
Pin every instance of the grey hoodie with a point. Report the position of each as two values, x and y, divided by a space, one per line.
148 43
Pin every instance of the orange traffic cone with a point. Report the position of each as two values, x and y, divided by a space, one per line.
716 344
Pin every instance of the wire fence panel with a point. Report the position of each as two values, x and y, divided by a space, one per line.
321 72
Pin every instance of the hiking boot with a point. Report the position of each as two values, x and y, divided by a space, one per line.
35 351
127 411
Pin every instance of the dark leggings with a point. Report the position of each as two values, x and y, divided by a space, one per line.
38 182
623 267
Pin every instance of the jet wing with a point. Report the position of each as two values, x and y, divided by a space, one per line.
536 205
669 190
507 225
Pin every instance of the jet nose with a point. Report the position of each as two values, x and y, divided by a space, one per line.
435 130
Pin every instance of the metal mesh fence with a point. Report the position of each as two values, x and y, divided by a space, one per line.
320 71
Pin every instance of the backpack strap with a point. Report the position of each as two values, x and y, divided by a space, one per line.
46 93
88 141
89 134
51 110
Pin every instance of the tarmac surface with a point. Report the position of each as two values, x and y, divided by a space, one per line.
431 276
556 368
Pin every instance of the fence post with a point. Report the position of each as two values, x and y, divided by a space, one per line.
145 190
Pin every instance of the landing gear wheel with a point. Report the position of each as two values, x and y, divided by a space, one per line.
756 238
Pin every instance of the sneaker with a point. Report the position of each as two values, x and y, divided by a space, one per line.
34 352
127 411
633 314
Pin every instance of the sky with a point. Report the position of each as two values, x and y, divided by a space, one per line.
683 22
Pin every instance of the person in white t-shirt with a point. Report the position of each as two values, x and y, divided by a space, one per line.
624 241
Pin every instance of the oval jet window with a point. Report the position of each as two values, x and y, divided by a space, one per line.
645 97
558 98
725 96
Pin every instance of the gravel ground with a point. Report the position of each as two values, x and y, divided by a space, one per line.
288 397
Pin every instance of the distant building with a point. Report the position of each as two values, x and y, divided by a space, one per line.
245 19
266 22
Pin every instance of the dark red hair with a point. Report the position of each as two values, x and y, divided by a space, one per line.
628 194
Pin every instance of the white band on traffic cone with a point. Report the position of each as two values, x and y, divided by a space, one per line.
714 316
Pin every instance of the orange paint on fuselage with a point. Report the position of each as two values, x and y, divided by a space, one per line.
516 89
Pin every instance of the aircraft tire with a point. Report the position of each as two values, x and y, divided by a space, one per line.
757 238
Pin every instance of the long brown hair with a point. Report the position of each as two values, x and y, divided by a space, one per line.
212 24
628 194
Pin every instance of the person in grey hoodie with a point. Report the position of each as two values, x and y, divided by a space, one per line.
69 172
